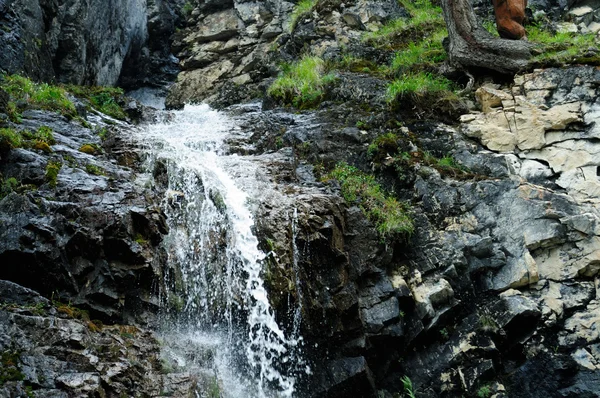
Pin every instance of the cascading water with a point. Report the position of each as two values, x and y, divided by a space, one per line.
214 289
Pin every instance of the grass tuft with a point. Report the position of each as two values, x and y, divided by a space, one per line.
302 83
103 99
562 48
418 85
36 95
390 216
303 7
9 139
52 170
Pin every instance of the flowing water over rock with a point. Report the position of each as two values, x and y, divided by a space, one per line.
217 315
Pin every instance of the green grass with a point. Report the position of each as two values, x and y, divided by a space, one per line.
302 83
301 8
7 186
425 53
424 18
36 95
10 138
391 217
103 99
418 85
562 48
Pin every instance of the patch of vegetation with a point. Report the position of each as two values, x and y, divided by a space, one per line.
7 186
9 139
94 170
187 9
360 65
103 99
214 390
422 54
52 170
90 149
424 19
303 7
302 83
487 324
10 369
562 48
418 86
484 392
36 95
390 216
408 386
40 139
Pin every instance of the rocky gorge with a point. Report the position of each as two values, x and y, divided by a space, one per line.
493 292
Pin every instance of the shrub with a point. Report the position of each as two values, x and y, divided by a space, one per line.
390 216
302 84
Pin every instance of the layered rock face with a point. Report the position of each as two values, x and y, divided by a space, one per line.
235 42
498 285
85 42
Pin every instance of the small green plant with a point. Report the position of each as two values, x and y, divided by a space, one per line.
408 386
214 389
303 7
52 170
95 170
487 324
382 145
7 186
389 215
10 138
187 9
484 392
302 83
444 334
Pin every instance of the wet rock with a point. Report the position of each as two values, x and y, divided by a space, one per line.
350 376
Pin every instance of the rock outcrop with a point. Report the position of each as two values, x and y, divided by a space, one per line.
87 42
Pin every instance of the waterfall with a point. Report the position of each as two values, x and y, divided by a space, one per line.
215 295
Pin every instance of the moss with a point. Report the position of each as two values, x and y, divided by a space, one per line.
7 186
95 170
391 217
302 83
90 149
52 170
41 146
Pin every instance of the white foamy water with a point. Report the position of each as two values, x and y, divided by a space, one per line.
214 281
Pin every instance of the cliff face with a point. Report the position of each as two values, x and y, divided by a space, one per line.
85 42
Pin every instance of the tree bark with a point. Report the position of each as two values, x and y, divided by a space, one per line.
473 46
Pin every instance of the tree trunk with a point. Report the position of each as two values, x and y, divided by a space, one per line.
473 46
